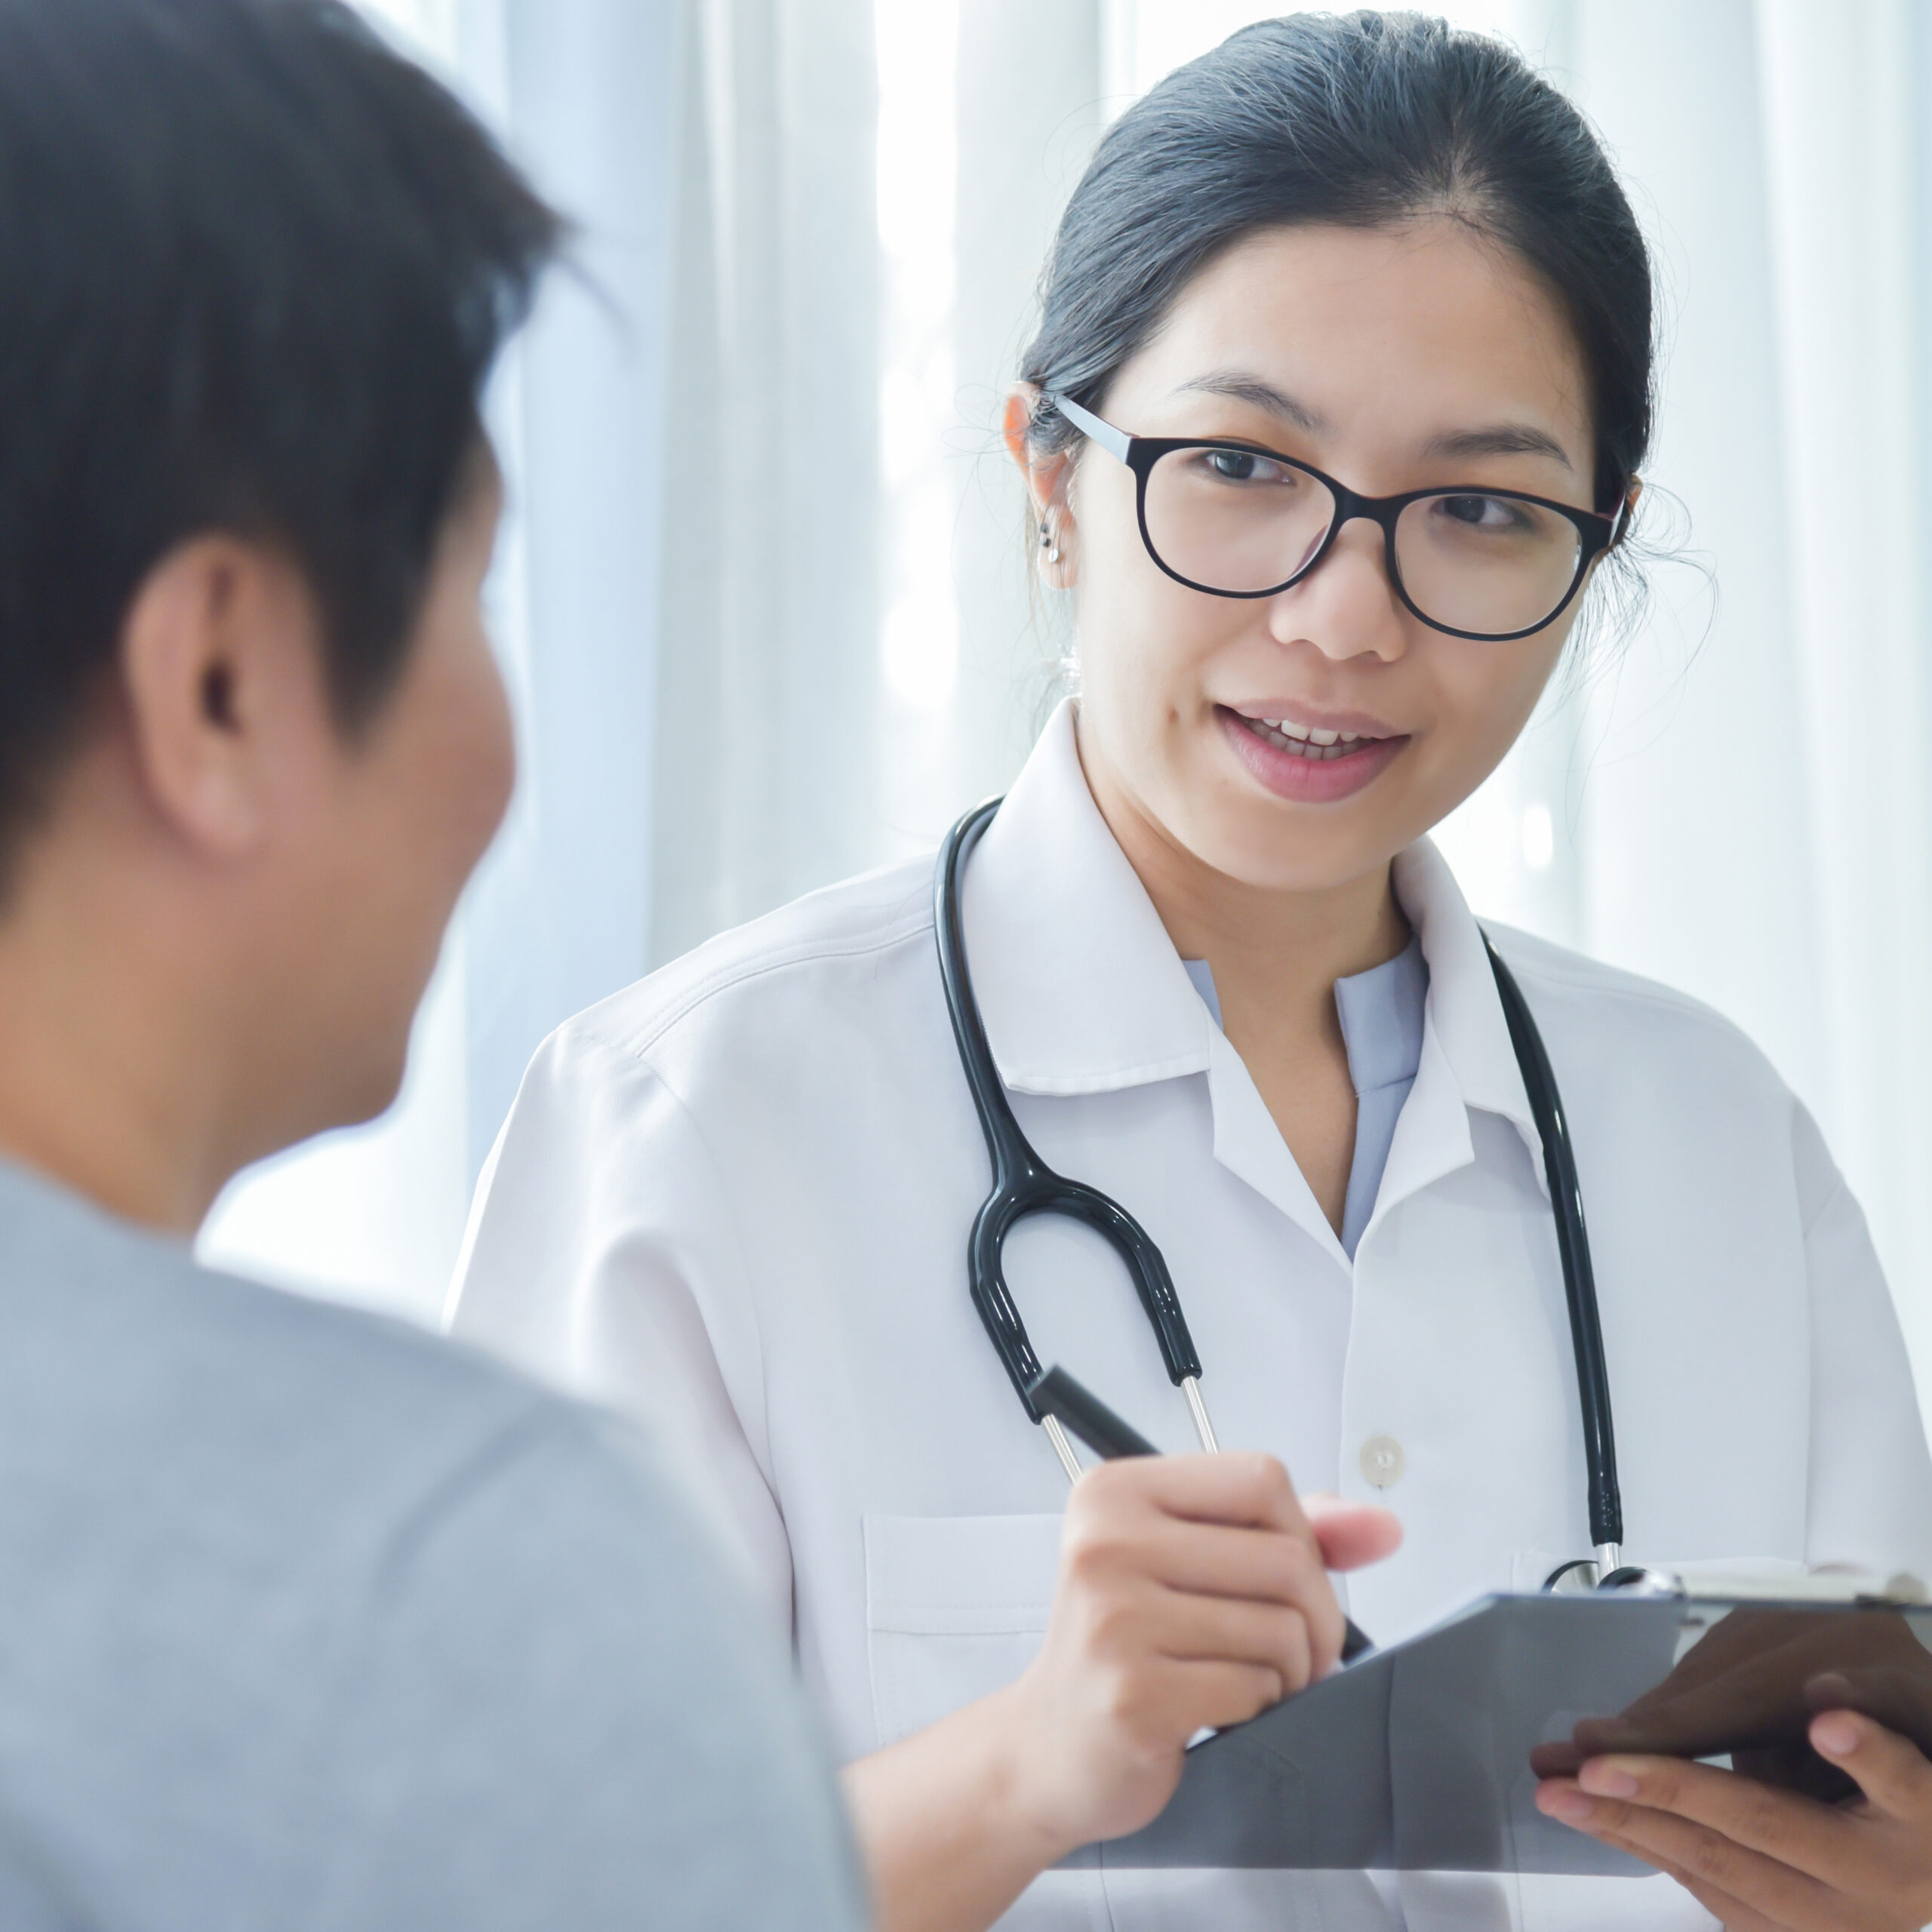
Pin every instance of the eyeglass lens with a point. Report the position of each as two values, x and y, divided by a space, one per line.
1232 520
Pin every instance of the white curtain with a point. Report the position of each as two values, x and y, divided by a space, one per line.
765 603
767 631
1851 184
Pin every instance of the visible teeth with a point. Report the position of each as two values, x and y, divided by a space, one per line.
1307 743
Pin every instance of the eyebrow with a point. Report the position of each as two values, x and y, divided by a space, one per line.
1500 439
1492 439
1239 386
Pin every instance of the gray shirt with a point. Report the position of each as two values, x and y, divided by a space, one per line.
308 1620
1381 1012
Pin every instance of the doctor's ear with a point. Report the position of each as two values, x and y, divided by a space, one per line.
1631 495
1049 477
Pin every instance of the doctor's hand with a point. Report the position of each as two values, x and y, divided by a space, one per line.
1761 1859
1750 1687
1193 1591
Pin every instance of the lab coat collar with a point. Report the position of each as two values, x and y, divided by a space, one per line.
1080 987
1082 991
1468 1060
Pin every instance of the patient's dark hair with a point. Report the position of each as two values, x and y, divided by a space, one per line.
1361 119
254 268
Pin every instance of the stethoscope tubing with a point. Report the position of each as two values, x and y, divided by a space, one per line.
1573 1245
1023 1184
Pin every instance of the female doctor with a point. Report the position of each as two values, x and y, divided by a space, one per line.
1226 979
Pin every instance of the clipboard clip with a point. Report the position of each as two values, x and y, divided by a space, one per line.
1589 1574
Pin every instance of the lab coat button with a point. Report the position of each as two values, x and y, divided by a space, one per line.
1382 1461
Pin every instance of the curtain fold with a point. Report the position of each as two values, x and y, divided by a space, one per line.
1696 834
1025 130
560 915
1846 161
763 762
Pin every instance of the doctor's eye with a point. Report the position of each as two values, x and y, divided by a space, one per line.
1482 512
1243 466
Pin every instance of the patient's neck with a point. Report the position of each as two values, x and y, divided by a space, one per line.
118 1045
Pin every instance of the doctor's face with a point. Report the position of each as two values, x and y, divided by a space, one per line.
1300 741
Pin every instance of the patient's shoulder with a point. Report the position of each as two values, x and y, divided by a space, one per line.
331 1606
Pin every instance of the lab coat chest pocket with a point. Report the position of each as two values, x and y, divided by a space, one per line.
955 1607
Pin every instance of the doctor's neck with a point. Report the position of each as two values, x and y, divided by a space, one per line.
1275 952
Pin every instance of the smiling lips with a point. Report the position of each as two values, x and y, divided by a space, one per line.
1311 763
1305 741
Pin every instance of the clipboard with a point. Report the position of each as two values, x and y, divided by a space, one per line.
1426 1757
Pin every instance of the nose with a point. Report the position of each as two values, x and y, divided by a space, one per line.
1345 606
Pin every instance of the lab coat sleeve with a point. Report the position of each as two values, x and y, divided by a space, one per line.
600 1256
1870 1503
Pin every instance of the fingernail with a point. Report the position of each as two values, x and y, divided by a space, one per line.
1564 1801
1607 1779
1834 1734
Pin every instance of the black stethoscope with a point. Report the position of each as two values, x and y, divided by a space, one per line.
1023 1184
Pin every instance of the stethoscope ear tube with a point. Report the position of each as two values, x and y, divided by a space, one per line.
1006 1146
1023 1184
1566 1195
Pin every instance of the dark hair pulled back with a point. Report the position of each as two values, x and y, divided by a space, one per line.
1363 119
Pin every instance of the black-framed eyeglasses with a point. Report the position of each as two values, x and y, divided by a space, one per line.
1235 519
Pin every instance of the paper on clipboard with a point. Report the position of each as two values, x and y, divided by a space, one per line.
1426 1757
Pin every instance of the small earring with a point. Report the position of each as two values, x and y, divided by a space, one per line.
1049 543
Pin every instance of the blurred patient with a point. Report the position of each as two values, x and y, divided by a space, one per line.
306 1620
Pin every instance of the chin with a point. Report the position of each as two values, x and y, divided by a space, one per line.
1267 855
373 1095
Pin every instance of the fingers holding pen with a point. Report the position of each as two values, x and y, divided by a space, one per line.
1352 1535
1251 1490
1215 1530
1241 1487
1193 1592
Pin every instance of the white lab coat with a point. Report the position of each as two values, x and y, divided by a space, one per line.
734 1198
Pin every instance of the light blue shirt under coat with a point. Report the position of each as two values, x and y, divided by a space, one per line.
1381 1012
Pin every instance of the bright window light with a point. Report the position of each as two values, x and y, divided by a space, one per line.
1538 837
917 159
432 23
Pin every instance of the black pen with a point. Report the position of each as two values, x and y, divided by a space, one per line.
1056 1393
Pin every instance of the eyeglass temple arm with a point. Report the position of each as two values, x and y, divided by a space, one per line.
1114 442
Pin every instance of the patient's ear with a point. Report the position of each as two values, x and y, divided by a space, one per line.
221 665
